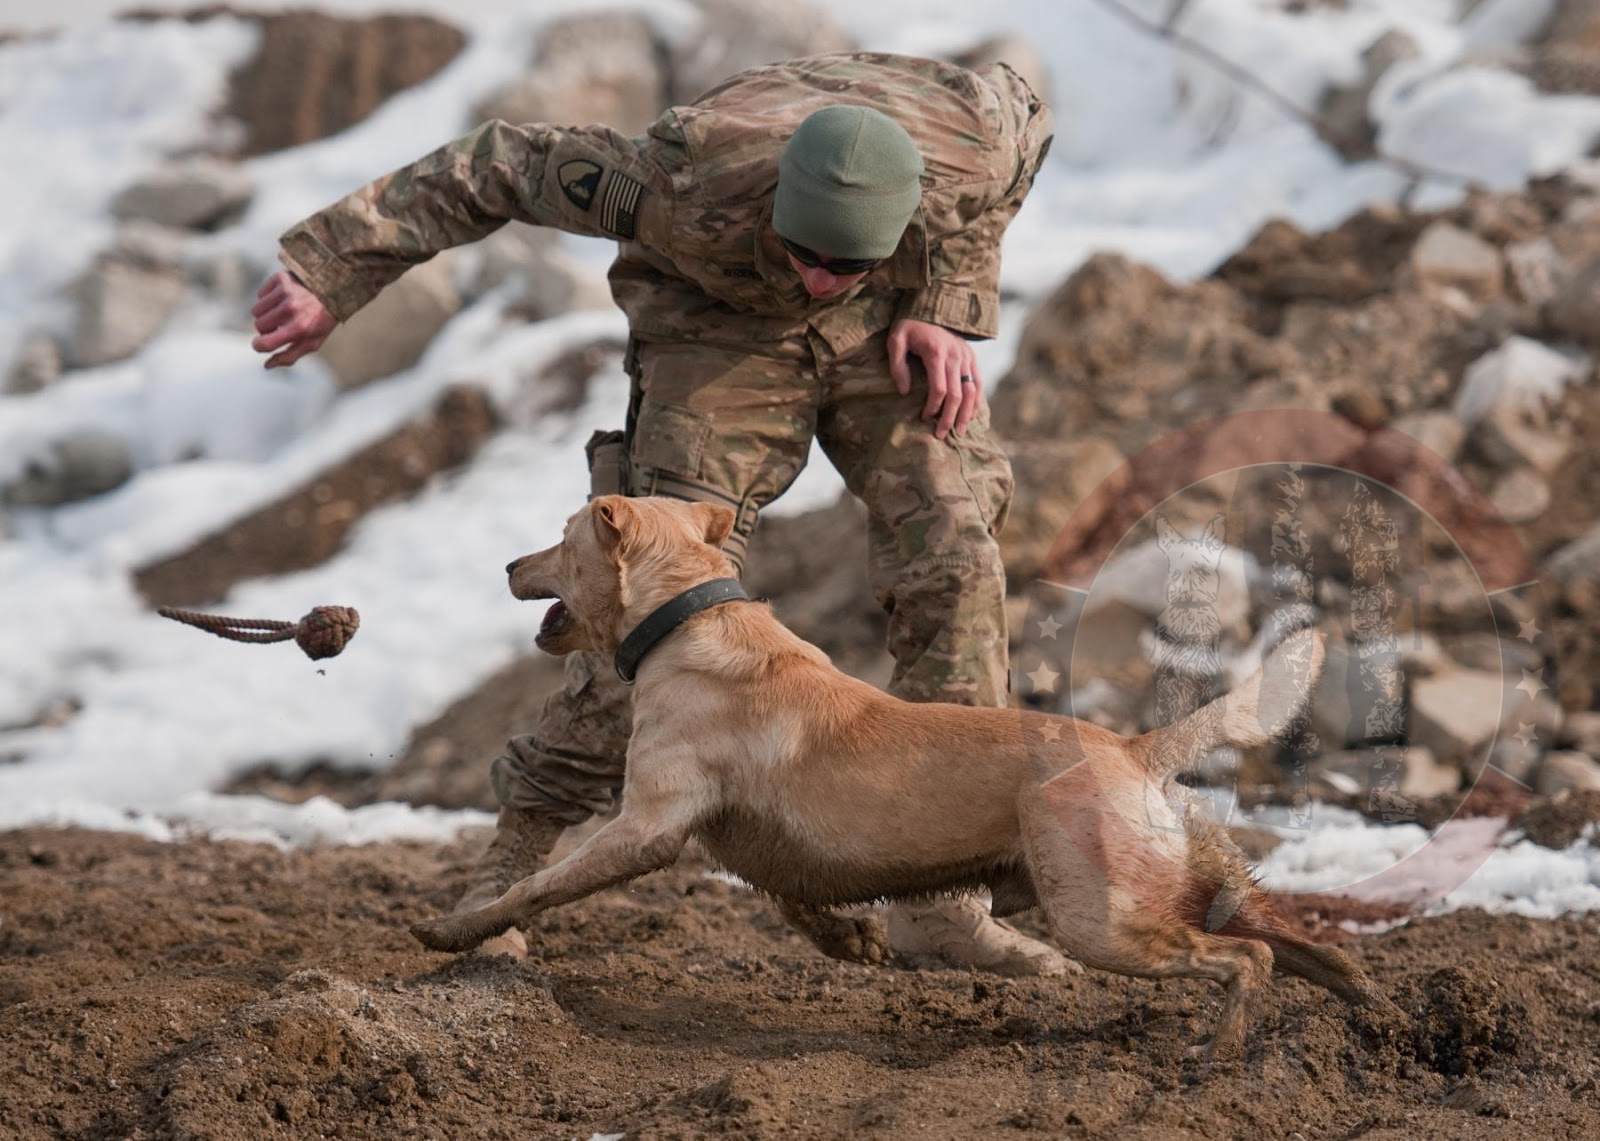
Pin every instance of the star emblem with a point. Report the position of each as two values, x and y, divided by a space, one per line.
1050 731
1525 735
1529 630
1532 683
1044 678
1048 626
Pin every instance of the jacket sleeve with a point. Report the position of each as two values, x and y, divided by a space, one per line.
966 222
588 180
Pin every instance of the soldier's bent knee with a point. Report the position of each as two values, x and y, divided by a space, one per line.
565 789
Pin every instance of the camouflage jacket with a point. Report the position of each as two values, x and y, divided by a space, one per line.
690 203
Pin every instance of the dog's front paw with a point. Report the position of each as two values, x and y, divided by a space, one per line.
446 933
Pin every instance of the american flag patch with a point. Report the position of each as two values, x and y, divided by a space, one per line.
619 205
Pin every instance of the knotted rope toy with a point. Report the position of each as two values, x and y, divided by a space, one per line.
321 634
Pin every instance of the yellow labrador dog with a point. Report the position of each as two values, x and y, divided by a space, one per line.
825 791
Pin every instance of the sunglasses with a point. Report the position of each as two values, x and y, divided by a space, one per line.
840 267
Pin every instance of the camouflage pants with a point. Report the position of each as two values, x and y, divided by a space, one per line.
722 423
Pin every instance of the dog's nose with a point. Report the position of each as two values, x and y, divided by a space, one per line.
511 567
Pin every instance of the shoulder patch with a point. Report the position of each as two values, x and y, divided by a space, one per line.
579 177
619 205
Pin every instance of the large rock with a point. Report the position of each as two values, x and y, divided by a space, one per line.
603 67
1574 24
1579 559
1520 495
121 305
1357 771
1344 706
1565 770
1053 477
1119 346
392 332
1581 731
1507 397
1448 255
545 279
1457 714
1438 430
314 74
1575 308
307 525
37 365
1536 269
79 465
1522 372
193 193
738 34
151 244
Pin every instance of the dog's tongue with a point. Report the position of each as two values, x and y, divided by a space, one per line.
555 616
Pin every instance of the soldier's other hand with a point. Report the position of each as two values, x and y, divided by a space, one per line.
946 358
290 319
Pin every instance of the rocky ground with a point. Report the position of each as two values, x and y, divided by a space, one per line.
223 990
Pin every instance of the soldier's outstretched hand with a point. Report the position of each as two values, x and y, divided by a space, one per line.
955 387
289 319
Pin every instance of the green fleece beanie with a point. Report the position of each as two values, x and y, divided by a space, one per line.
848 183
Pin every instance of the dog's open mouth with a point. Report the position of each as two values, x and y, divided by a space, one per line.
556 621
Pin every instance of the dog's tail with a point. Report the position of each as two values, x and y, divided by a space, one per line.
1240 909
1222 897
1252 714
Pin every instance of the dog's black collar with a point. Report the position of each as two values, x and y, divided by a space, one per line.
667 617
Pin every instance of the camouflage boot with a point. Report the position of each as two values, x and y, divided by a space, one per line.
959 931
520 844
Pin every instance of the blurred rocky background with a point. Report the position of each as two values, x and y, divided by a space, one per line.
1472 331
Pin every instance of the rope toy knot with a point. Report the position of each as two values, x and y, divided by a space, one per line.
326 630
321 634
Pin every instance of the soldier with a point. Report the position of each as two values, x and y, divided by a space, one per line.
788 245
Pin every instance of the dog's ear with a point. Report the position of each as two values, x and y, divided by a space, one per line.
1215 531
614 521
1166 534
717 521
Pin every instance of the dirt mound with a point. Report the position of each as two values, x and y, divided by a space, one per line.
1463 1024
1561 820
225 990
316 74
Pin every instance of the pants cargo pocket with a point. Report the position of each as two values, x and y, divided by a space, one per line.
669 438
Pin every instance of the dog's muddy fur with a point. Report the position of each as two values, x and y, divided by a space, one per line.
824 791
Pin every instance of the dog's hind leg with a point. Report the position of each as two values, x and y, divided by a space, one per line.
1242 966
1109 882
852 939
1153 943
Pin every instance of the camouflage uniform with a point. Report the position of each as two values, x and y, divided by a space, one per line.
735 368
